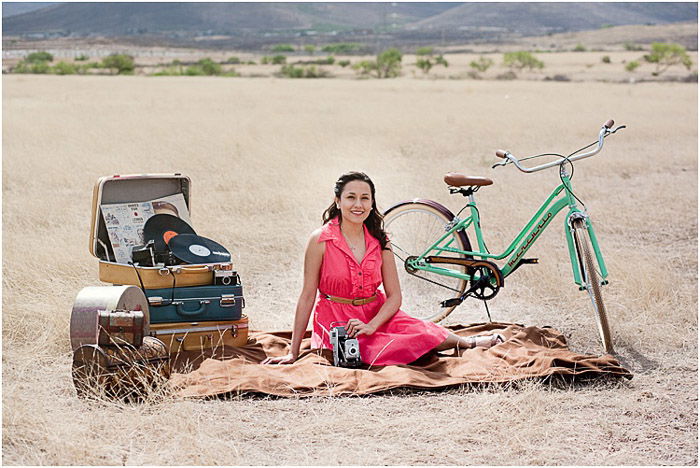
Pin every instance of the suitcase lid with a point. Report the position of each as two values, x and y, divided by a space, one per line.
130 188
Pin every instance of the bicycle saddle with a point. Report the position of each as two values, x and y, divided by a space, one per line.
455 179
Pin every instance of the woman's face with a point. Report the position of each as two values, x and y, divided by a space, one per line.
355 202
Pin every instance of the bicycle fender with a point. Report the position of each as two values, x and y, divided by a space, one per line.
439 207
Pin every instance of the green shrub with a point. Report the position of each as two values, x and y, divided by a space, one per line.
32 67
279 60
310 49
209 67
82 58
233 61
605 59
194 70
579 48
251 62
310 71
122 64
290 71
365 67
342 48
482 64
424 51
632 66
389 63
265 60
344 63
666 55
633 47
283 48
424 64
169 71
39 57
521 59
64 68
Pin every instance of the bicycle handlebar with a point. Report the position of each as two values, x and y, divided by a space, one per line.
604 131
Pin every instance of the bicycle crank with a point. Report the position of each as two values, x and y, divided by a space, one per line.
484 287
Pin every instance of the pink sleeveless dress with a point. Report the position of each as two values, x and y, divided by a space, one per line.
401 339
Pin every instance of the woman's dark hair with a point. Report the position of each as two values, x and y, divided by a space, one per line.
374 222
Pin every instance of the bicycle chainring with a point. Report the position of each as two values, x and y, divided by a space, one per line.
487 285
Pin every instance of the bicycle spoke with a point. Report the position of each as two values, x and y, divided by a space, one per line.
412 228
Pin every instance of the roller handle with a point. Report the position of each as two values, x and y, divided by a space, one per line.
609 123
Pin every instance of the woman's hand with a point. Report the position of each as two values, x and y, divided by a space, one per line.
356 327
288 359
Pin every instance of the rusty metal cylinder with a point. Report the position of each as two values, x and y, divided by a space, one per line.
117 310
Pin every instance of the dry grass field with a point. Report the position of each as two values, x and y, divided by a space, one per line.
263 155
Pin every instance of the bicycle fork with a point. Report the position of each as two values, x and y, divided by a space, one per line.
574 250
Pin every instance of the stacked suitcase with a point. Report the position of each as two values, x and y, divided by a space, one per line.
190 307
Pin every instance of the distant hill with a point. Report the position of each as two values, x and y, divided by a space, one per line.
449 21
17 8
111 19
542 18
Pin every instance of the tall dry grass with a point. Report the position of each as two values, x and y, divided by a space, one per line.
263 155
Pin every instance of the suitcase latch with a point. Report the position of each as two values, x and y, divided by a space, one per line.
155 301
228 300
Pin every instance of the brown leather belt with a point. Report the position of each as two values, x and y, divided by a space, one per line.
356 302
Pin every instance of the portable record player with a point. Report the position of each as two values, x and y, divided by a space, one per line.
128 190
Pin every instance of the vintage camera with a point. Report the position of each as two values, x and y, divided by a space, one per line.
346 350
226 278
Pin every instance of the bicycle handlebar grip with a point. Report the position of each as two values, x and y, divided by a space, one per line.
609 123
501 154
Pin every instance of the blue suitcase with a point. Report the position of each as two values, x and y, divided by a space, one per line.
195 303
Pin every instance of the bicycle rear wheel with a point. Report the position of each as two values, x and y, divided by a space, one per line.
412 227
591 281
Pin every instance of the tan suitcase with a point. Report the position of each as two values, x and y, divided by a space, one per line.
202 336
136 189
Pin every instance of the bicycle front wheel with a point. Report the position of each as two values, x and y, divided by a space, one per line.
591 281
412 227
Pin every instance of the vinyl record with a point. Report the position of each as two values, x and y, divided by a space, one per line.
161 228
191 248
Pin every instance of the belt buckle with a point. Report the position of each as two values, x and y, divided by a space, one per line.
357 301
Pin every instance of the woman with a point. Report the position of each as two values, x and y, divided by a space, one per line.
346 260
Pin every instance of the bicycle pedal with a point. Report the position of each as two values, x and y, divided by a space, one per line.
455 301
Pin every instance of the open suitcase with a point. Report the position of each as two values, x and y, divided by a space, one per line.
188 311
133 191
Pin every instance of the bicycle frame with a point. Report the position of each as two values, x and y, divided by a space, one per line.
560 198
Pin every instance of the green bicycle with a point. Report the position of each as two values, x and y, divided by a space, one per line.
441 269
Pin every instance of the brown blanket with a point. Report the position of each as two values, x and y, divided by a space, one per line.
528 352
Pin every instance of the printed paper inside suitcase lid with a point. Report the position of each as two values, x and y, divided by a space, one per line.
142 188
200 303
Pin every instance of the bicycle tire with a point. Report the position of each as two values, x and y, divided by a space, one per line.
412 227
592 280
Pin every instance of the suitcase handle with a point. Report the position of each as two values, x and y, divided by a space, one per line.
188 313
189 270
